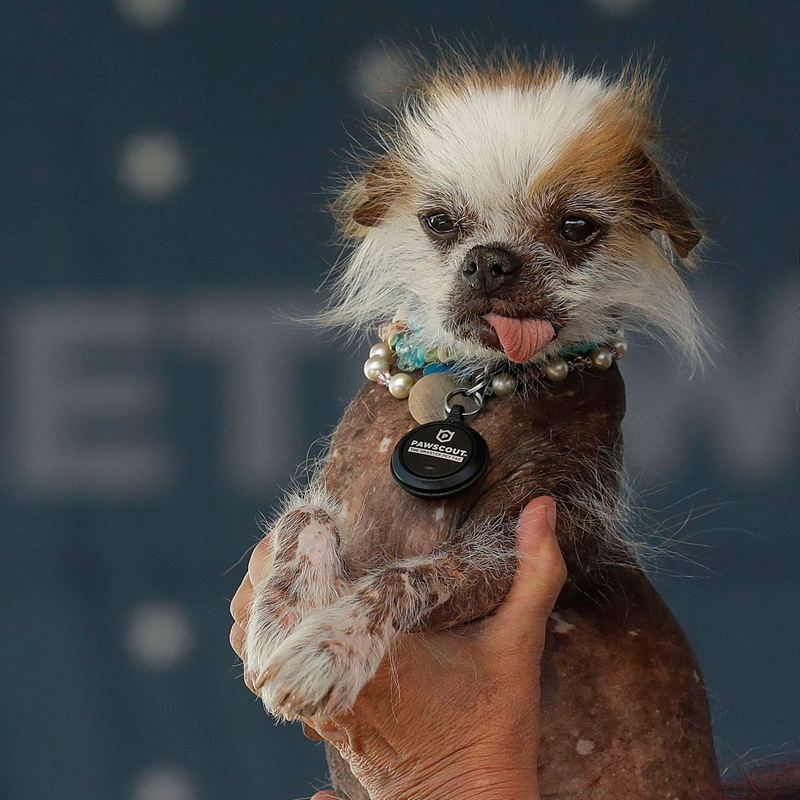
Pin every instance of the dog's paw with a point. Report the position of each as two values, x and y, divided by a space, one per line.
306 573
321 668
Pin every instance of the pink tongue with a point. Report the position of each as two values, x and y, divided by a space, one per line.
521 339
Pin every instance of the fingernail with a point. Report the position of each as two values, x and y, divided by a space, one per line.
551 514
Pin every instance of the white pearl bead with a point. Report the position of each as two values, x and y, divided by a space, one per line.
400 385
504 384
557 369
380 350
443 354
601 357
375 365
620 349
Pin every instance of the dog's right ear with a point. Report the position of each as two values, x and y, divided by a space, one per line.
377 191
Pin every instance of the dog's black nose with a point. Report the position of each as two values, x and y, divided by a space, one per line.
487 268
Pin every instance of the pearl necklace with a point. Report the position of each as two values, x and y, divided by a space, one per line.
395 349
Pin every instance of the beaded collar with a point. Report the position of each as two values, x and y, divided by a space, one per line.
396 356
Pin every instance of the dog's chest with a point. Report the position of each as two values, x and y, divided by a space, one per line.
533 441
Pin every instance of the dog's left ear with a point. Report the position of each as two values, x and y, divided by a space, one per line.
669 210
380 187
674 216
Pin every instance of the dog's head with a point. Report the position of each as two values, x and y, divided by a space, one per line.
514 211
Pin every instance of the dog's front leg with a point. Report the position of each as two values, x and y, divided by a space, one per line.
333 652
306 573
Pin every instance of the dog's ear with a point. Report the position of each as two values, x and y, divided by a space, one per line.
674 216
379 188
668 209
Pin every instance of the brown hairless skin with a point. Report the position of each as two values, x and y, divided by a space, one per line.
624 709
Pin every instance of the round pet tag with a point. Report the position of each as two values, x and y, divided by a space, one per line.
440 459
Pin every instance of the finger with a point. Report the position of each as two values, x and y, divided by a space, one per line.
324 796
240 605
541 571
260 562
236 638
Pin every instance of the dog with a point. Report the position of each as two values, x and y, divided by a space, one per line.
513 220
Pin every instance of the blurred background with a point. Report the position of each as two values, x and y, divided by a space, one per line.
163 171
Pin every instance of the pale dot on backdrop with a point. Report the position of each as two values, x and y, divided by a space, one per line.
163 783
159 635
618 7
153 165
151 13
381 75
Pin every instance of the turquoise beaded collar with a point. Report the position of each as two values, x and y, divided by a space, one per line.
396 356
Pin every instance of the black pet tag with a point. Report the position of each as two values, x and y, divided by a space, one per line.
440 459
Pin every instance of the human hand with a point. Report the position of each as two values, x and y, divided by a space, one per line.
452 713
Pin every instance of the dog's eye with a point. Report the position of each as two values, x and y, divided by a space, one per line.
578 230
440 223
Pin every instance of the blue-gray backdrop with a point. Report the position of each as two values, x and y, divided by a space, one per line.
161 205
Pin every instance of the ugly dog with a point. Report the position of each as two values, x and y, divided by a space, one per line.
514 219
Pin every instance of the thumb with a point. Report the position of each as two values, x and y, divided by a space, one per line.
323 796
540 575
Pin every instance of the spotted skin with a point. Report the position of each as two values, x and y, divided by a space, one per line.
407 564
321 666
306 573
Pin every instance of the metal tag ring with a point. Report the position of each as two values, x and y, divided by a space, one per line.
464 393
